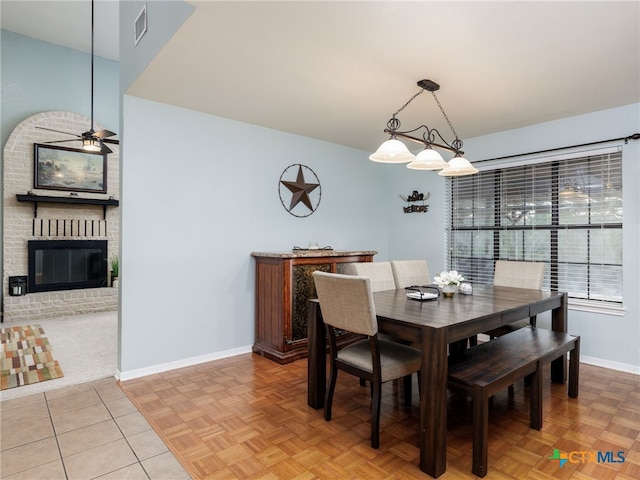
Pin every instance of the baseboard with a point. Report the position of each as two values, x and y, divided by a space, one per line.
187 362
621 367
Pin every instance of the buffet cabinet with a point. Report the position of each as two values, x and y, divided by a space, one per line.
284 283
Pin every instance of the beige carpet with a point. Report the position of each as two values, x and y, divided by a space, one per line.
72 338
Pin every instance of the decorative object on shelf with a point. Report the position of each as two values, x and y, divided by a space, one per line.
92 141
416 197
311 248
394 151
70 169
466 288
448 282
294 192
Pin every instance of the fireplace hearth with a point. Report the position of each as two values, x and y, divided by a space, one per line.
67 264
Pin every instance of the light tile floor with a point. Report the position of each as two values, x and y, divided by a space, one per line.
85 431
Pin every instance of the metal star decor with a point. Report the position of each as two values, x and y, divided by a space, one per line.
300 189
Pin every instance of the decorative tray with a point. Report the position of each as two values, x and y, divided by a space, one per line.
422 292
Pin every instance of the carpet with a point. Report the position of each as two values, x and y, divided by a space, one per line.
26 357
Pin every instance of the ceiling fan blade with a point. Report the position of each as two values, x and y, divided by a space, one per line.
111 140
104 149
102 134
59 131
62 141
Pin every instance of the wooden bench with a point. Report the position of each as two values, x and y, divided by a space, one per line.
486 369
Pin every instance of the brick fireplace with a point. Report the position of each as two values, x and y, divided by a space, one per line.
53 221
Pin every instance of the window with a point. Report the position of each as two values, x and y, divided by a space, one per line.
565 211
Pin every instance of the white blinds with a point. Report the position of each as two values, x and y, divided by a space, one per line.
564 210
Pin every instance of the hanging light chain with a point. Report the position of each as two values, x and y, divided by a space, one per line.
394 123
408 102
445 117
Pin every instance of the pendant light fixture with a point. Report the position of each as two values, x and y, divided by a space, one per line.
394 151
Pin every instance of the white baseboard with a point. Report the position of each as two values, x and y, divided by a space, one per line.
187 362
621 367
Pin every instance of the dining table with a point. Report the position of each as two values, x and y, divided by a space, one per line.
434 325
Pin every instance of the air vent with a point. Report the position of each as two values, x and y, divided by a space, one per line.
140 25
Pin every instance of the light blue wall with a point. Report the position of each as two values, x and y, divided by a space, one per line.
416 235
200 193
38 76
605 339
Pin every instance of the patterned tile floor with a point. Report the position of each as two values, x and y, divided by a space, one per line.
85 431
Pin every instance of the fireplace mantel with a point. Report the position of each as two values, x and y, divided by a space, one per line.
35 199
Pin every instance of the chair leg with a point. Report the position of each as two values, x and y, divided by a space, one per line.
473 341
363 382
407 390
480 431
328 400
375 414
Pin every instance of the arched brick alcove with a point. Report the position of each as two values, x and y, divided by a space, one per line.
21 225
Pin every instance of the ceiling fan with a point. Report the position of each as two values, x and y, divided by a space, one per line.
92 141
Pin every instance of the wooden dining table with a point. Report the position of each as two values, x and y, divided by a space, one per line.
434 325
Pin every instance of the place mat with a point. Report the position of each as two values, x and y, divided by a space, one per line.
26 357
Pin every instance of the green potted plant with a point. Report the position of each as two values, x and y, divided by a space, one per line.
115 271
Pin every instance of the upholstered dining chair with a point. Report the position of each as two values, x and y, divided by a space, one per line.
346 303
407 273
510 273
379 273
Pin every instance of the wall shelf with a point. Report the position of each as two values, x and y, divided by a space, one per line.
35 199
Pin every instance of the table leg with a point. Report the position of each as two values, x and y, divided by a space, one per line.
559 323
317 362
433 402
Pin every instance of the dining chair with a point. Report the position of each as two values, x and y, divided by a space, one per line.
346 303
381 277
379 273
407 273
509 273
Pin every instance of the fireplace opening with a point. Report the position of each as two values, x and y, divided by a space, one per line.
67 264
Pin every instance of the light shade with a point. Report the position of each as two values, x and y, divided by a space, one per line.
428 159
91 145
392 151
458 166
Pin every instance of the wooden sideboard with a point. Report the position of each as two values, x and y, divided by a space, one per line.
284 283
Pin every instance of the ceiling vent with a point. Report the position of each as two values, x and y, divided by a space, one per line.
140 25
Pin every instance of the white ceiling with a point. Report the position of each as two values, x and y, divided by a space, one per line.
337 71
66 23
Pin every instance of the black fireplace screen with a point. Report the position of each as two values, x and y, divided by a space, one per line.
67 264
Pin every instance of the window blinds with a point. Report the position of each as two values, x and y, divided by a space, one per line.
564 210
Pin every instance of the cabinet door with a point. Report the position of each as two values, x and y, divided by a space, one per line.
303 289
